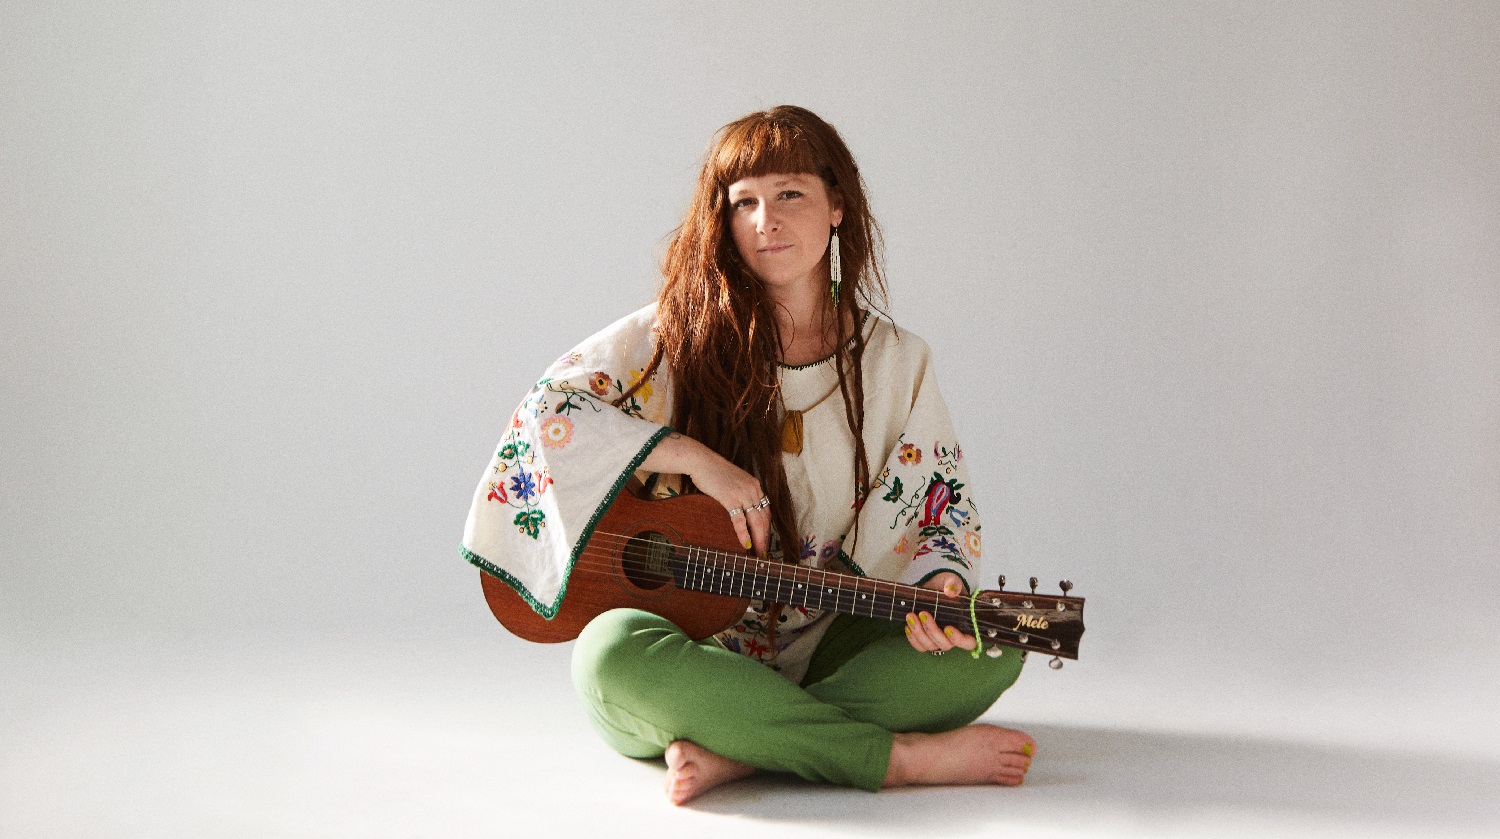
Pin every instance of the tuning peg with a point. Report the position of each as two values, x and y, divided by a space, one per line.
1002 582
994 651
1066 586
1033 585
1055 663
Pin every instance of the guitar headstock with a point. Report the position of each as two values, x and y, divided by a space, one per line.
1047 623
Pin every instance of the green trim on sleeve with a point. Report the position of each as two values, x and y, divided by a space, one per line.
550 611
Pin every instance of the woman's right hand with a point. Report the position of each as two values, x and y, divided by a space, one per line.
738 490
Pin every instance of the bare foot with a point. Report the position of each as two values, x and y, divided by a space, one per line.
693 770
974 754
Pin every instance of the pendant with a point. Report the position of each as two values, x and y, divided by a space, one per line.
791 432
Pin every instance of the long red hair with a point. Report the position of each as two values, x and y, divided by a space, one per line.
716 328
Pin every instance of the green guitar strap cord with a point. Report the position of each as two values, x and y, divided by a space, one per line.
974 619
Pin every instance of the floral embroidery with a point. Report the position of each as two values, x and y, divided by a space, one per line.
809 548
947 458
520 481
568 360
530 522
645 392
935 506
971 543
556 431
523 486
830 549
599 383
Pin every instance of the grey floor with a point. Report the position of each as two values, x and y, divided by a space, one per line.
171 740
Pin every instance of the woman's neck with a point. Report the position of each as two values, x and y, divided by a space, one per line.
805 325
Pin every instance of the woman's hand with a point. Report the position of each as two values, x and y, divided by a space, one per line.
738 490
922 629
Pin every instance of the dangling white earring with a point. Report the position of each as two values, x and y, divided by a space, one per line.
835 270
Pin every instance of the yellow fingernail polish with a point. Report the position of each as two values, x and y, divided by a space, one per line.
948 632
1028 750
908 632
748 546
925 618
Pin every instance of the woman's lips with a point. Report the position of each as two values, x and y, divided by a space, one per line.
774 248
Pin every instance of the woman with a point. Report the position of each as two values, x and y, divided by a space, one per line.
819 427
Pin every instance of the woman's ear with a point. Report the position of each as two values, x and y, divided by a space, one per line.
836 216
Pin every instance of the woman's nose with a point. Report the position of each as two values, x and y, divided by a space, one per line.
767 221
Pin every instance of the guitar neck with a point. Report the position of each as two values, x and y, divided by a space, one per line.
716 572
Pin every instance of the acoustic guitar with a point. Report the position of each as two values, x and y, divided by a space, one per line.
680 558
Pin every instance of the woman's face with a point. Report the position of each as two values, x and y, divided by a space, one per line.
781 225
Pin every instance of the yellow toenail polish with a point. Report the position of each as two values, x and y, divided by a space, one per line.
1028 750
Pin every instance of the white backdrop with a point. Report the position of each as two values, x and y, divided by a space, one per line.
1214 290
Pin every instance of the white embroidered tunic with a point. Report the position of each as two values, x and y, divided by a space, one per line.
567 451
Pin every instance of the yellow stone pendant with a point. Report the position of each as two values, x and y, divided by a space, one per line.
791 432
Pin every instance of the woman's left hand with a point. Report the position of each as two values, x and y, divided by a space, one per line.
922 629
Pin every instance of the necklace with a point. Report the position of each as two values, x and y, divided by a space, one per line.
791 425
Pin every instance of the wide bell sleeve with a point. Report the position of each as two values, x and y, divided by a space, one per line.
566 452
919 517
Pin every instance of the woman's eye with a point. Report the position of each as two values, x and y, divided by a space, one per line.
743 202
791 193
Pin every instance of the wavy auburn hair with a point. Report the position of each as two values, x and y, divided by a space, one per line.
716 326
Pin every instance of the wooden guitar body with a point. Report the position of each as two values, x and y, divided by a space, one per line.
623 567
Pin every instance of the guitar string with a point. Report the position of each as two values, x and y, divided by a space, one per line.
775 573
600 559
950 613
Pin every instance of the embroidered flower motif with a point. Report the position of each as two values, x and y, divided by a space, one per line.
497 493
515 419
645 392
523 486
909 455
570 358
599 383
943 543
903 546
971 543
809 548
830 550
531 522
938 496
755 649
557 431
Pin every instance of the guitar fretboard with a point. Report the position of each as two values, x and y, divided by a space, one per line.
715 572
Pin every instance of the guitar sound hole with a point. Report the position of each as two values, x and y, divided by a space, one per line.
644 560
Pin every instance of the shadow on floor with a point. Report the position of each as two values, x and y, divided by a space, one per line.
1150 781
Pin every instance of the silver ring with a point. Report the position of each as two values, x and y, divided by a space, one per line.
735 511
764 503
937 652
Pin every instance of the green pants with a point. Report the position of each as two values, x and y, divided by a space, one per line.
645 684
